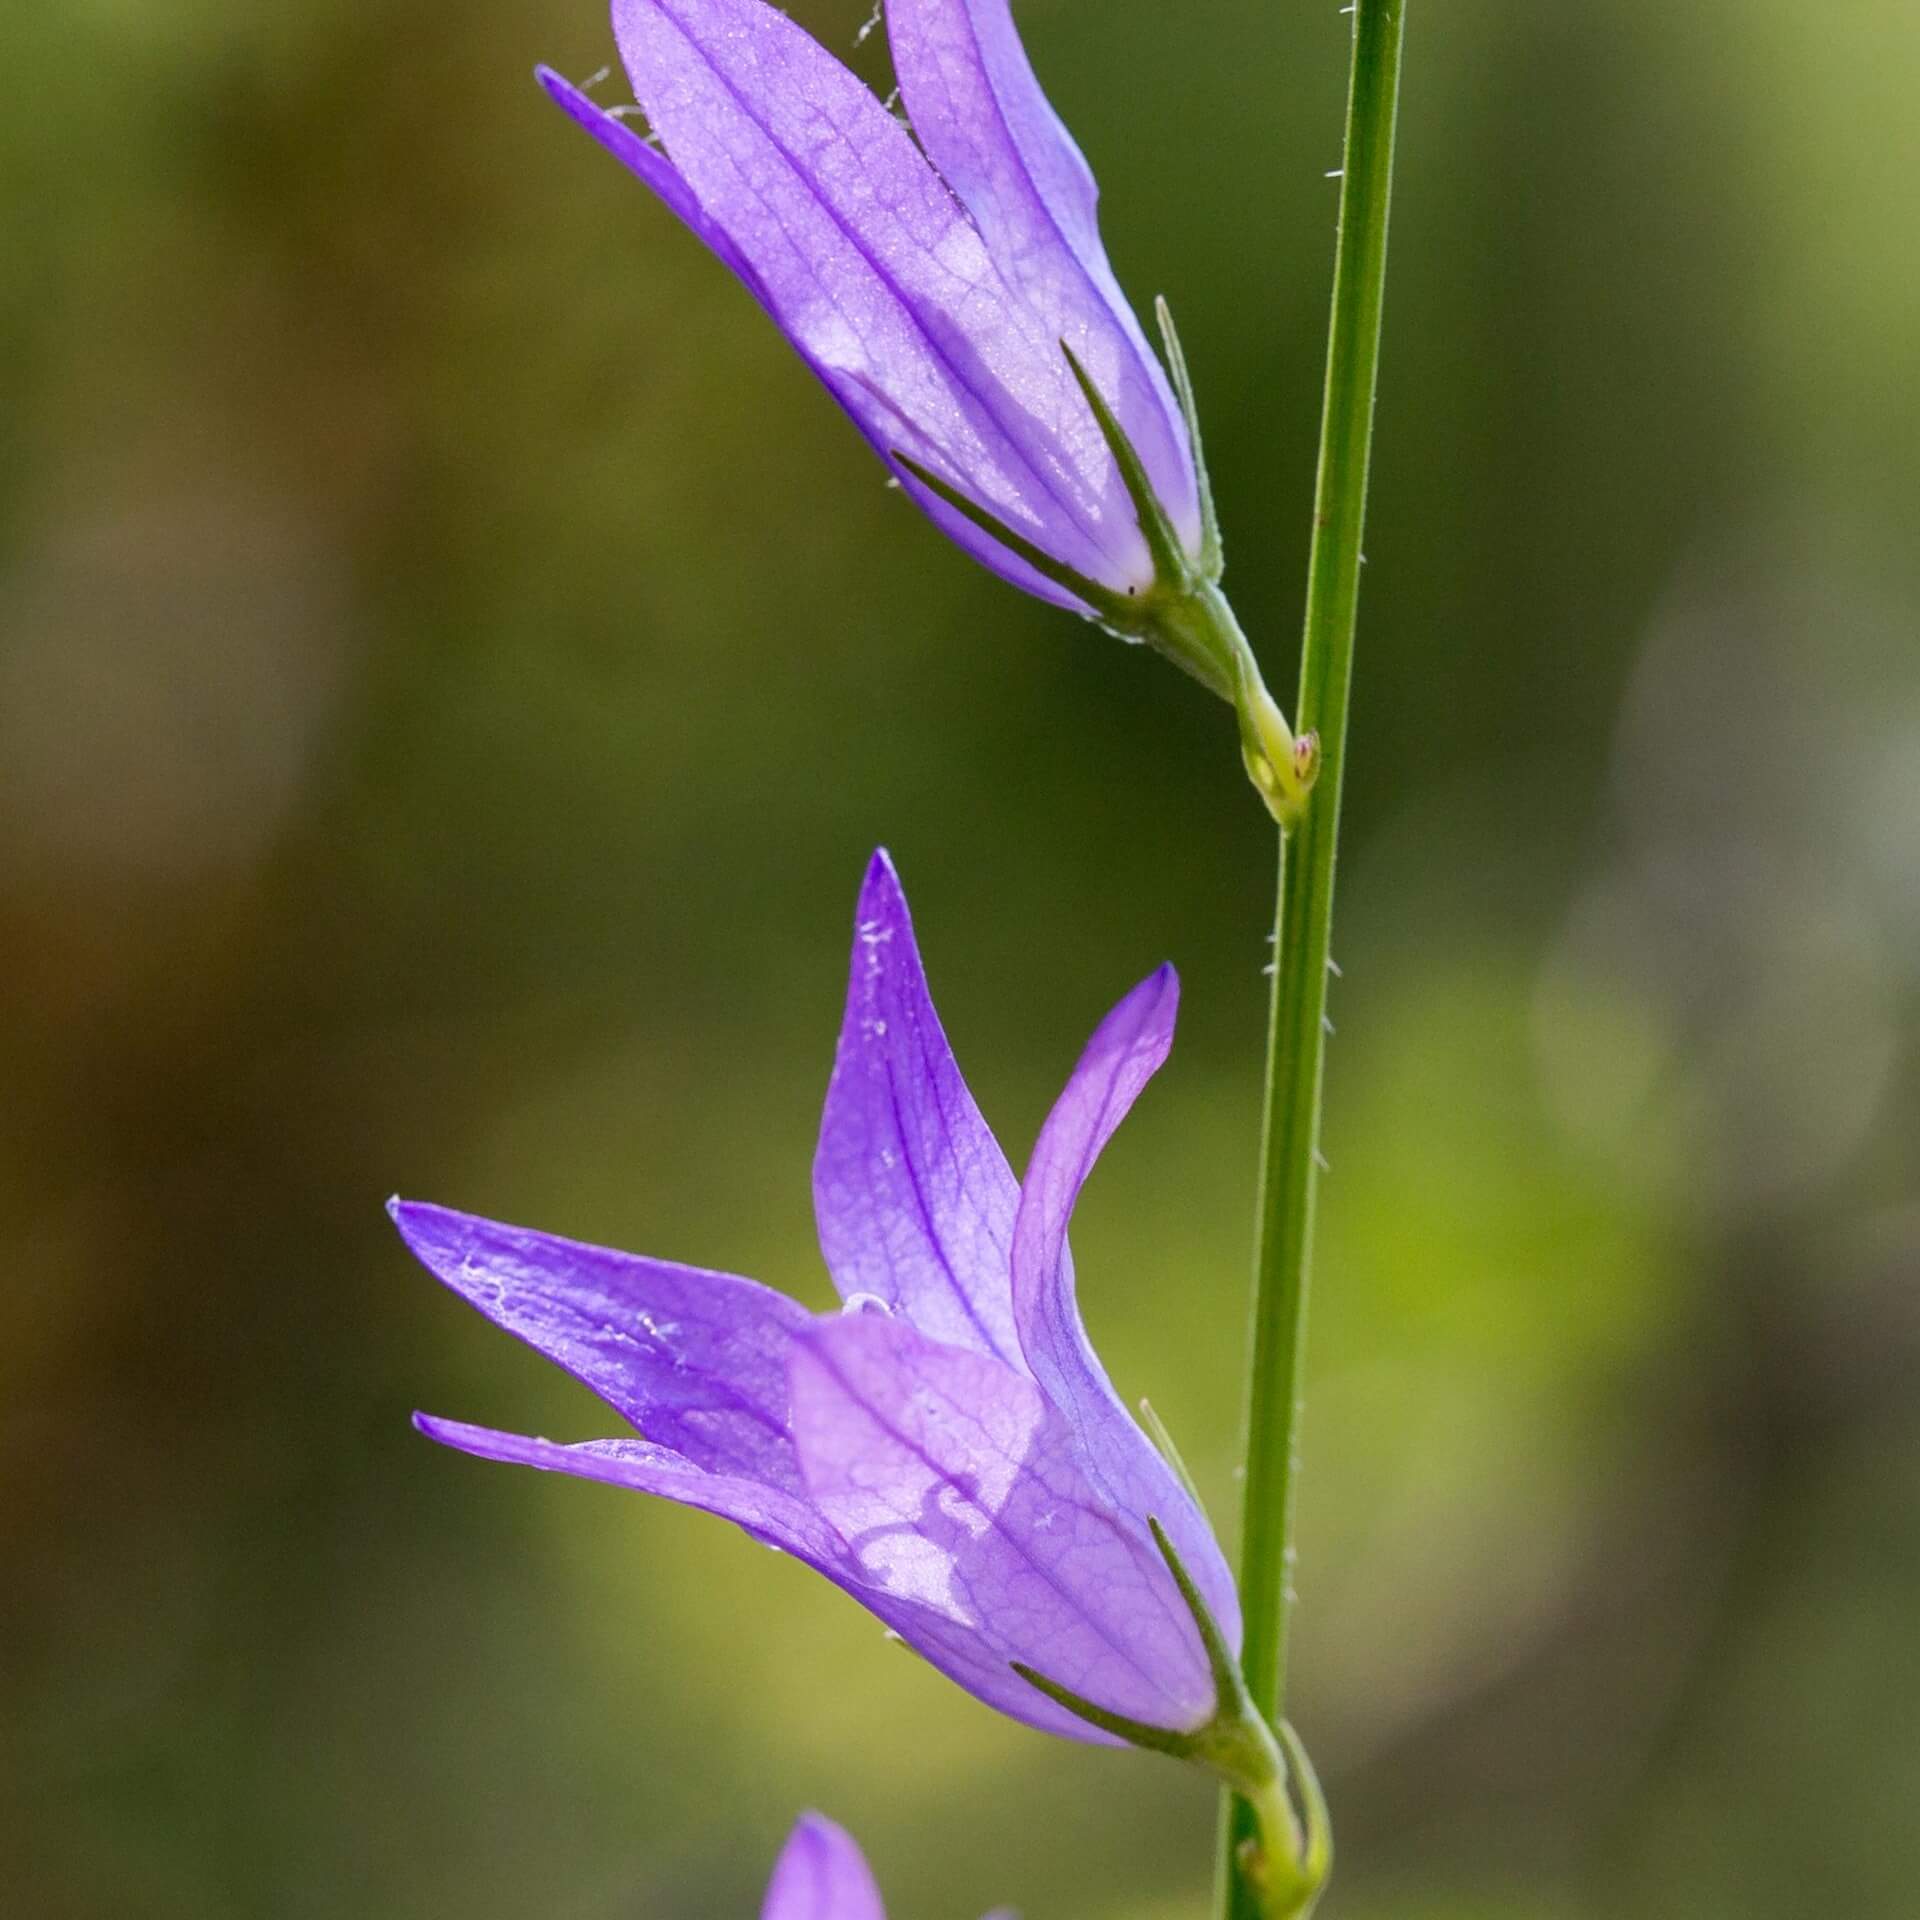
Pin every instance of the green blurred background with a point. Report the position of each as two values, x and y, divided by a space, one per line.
453 667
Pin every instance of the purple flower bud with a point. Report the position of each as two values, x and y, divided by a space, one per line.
930 286
947 1447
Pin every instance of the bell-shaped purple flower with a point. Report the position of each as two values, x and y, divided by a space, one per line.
947 1447
930 286
952 293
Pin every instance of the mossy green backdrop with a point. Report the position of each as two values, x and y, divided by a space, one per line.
453 667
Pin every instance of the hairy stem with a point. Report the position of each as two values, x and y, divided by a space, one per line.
1296 1045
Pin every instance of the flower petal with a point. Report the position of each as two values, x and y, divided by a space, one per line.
652 166
775 1518
959 1492
659 173
1127 1049
821 1875
877 275
915 1200
972 96
696 1360
772 1516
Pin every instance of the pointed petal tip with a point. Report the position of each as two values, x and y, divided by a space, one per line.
419 1223
912 1196
880 885
453 1246
1166 988
881 911
1146 1013
821 1871
561 91
422 1225
489 1443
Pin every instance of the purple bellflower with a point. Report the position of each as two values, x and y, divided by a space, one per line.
822 1875
946 1447
953 295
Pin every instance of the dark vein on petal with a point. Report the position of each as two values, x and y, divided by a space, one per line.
950 1133
909 1162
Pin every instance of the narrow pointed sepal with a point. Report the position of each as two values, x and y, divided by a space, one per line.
1229 1688
1136 1733
1110 607
1173 569
1212 557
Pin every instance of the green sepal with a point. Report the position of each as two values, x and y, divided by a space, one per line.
1113 608
1136 1733
1212 558
1227 1683
1172 569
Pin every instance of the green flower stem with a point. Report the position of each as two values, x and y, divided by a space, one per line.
1296 1048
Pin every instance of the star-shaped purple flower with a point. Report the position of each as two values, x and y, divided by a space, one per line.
930 286
947 1447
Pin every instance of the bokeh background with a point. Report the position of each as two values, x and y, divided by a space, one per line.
453 667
